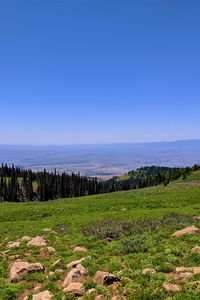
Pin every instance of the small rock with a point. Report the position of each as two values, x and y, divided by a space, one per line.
196 270
46 229
196 218
182 269
21 268
51 249
171 288
74 263
76 288
77 274
99 297
196 249
57 263
51 273
46 295
38 241
148 271
105 278
26 238
79 249
186 231
37 288
13 244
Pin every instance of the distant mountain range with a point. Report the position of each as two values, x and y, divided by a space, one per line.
102 160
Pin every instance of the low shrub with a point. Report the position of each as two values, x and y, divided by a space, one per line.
133 244
114 228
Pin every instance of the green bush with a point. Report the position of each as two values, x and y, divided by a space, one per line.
133 244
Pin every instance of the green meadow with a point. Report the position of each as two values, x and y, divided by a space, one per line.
124 232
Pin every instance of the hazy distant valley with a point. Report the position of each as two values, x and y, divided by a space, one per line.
103 161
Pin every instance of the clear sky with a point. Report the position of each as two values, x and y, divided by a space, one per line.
99 71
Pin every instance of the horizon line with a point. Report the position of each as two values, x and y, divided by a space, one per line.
103 144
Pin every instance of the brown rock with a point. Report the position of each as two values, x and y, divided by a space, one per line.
196 249
196 218
76 288
26 238
79 249
183 269
148 271
99 297
171 288
196 270
37 288
186 231
38 241
105 278
13 244
51 249
21 268
46 295
180 277
77 274
74 263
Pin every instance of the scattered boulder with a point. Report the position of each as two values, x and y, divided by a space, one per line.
76 288
171 288
74 263
46 295
51 249
77 274
186 231
196 218
21 268
38 241
105 278
26 238
181 277
196 249
148 271
13 244
79 249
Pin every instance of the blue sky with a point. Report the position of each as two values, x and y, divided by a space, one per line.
99 71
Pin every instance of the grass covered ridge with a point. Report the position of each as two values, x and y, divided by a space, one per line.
124 233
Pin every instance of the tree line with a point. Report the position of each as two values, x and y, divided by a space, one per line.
149 176
19 185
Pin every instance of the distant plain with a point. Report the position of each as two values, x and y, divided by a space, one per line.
103 161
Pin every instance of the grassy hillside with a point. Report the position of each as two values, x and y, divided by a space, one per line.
124 233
